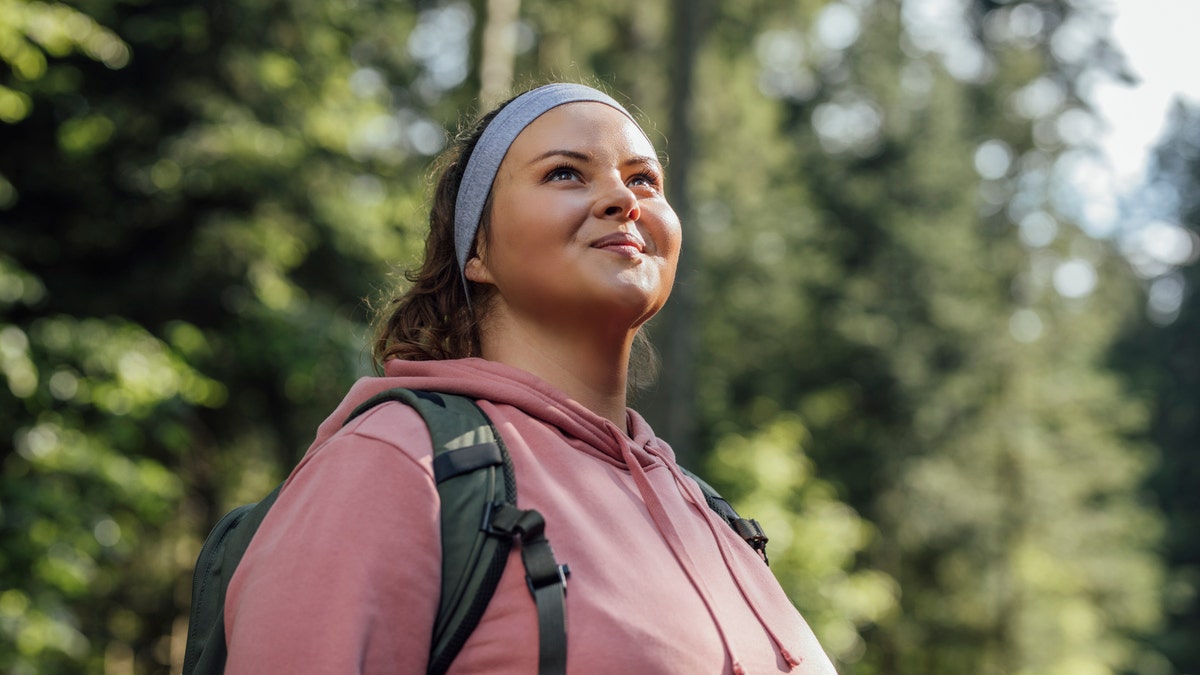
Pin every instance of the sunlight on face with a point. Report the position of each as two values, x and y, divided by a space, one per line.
581 230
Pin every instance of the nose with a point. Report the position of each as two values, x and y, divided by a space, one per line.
618 203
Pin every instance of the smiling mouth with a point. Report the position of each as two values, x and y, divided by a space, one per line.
622 248
621 243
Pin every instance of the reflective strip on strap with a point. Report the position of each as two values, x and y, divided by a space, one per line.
465 460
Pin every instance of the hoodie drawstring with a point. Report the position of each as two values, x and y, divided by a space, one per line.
723 547
658 513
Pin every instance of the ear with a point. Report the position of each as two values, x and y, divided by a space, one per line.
478 272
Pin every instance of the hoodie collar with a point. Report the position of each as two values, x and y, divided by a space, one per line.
505 385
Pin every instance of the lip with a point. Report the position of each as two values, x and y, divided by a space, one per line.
621 242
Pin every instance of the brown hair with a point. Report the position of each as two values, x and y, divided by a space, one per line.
432 319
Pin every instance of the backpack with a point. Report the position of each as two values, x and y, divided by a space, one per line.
476 485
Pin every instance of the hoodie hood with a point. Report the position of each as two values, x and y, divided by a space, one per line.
505 385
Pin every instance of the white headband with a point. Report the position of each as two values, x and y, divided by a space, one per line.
493 144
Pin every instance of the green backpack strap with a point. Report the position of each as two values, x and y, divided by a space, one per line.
746 528
480 522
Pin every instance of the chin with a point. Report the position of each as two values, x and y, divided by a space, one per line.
640 304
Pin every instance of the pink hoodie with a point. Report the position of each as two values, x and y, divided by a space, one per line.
343 576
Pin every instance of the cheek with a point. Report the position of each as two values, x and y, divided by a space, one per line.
670 237
535 222
508 234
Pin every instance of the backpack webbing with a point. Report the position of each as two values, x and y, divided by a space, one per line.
480 521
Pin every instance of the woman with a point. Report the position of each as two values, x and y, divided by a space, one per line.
551 242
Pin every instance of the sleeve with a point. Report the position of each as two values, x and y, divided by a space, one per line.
342 576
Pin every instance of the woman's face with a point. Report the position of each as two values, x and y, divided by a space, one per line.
580 227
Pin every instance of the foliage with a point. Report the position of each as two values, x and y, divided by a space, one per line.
183 278
814 537
84 503
865 267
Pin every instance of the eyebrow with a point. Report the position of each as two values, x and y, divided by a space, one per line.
641 160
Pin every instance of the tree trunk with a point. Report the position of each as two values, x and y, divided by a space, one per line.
670 407
498 52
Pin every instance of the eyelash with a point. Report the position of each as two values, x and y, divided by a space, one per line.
561 168
652 179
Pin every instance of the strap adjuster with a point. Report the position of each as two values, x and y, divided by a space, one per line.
752 532
560 577
501 519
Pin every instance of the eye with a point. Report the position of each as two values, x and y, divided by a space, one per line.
646 179
561 173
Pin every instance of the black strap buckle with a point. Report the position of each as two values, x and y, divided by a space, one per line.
559 577
752 532
527 525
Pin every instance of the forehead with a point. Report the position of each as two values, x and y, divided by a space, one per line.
584 125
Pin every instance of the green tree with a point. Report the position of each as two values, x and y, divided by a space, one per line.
1162 361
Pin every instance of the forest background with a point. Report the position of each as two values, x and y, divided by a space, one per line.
969 427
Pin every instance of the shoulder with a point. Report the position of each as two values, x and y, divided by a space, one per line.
391 433
318 589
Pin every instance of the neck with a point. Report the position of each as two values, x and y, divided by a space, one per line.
588 367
